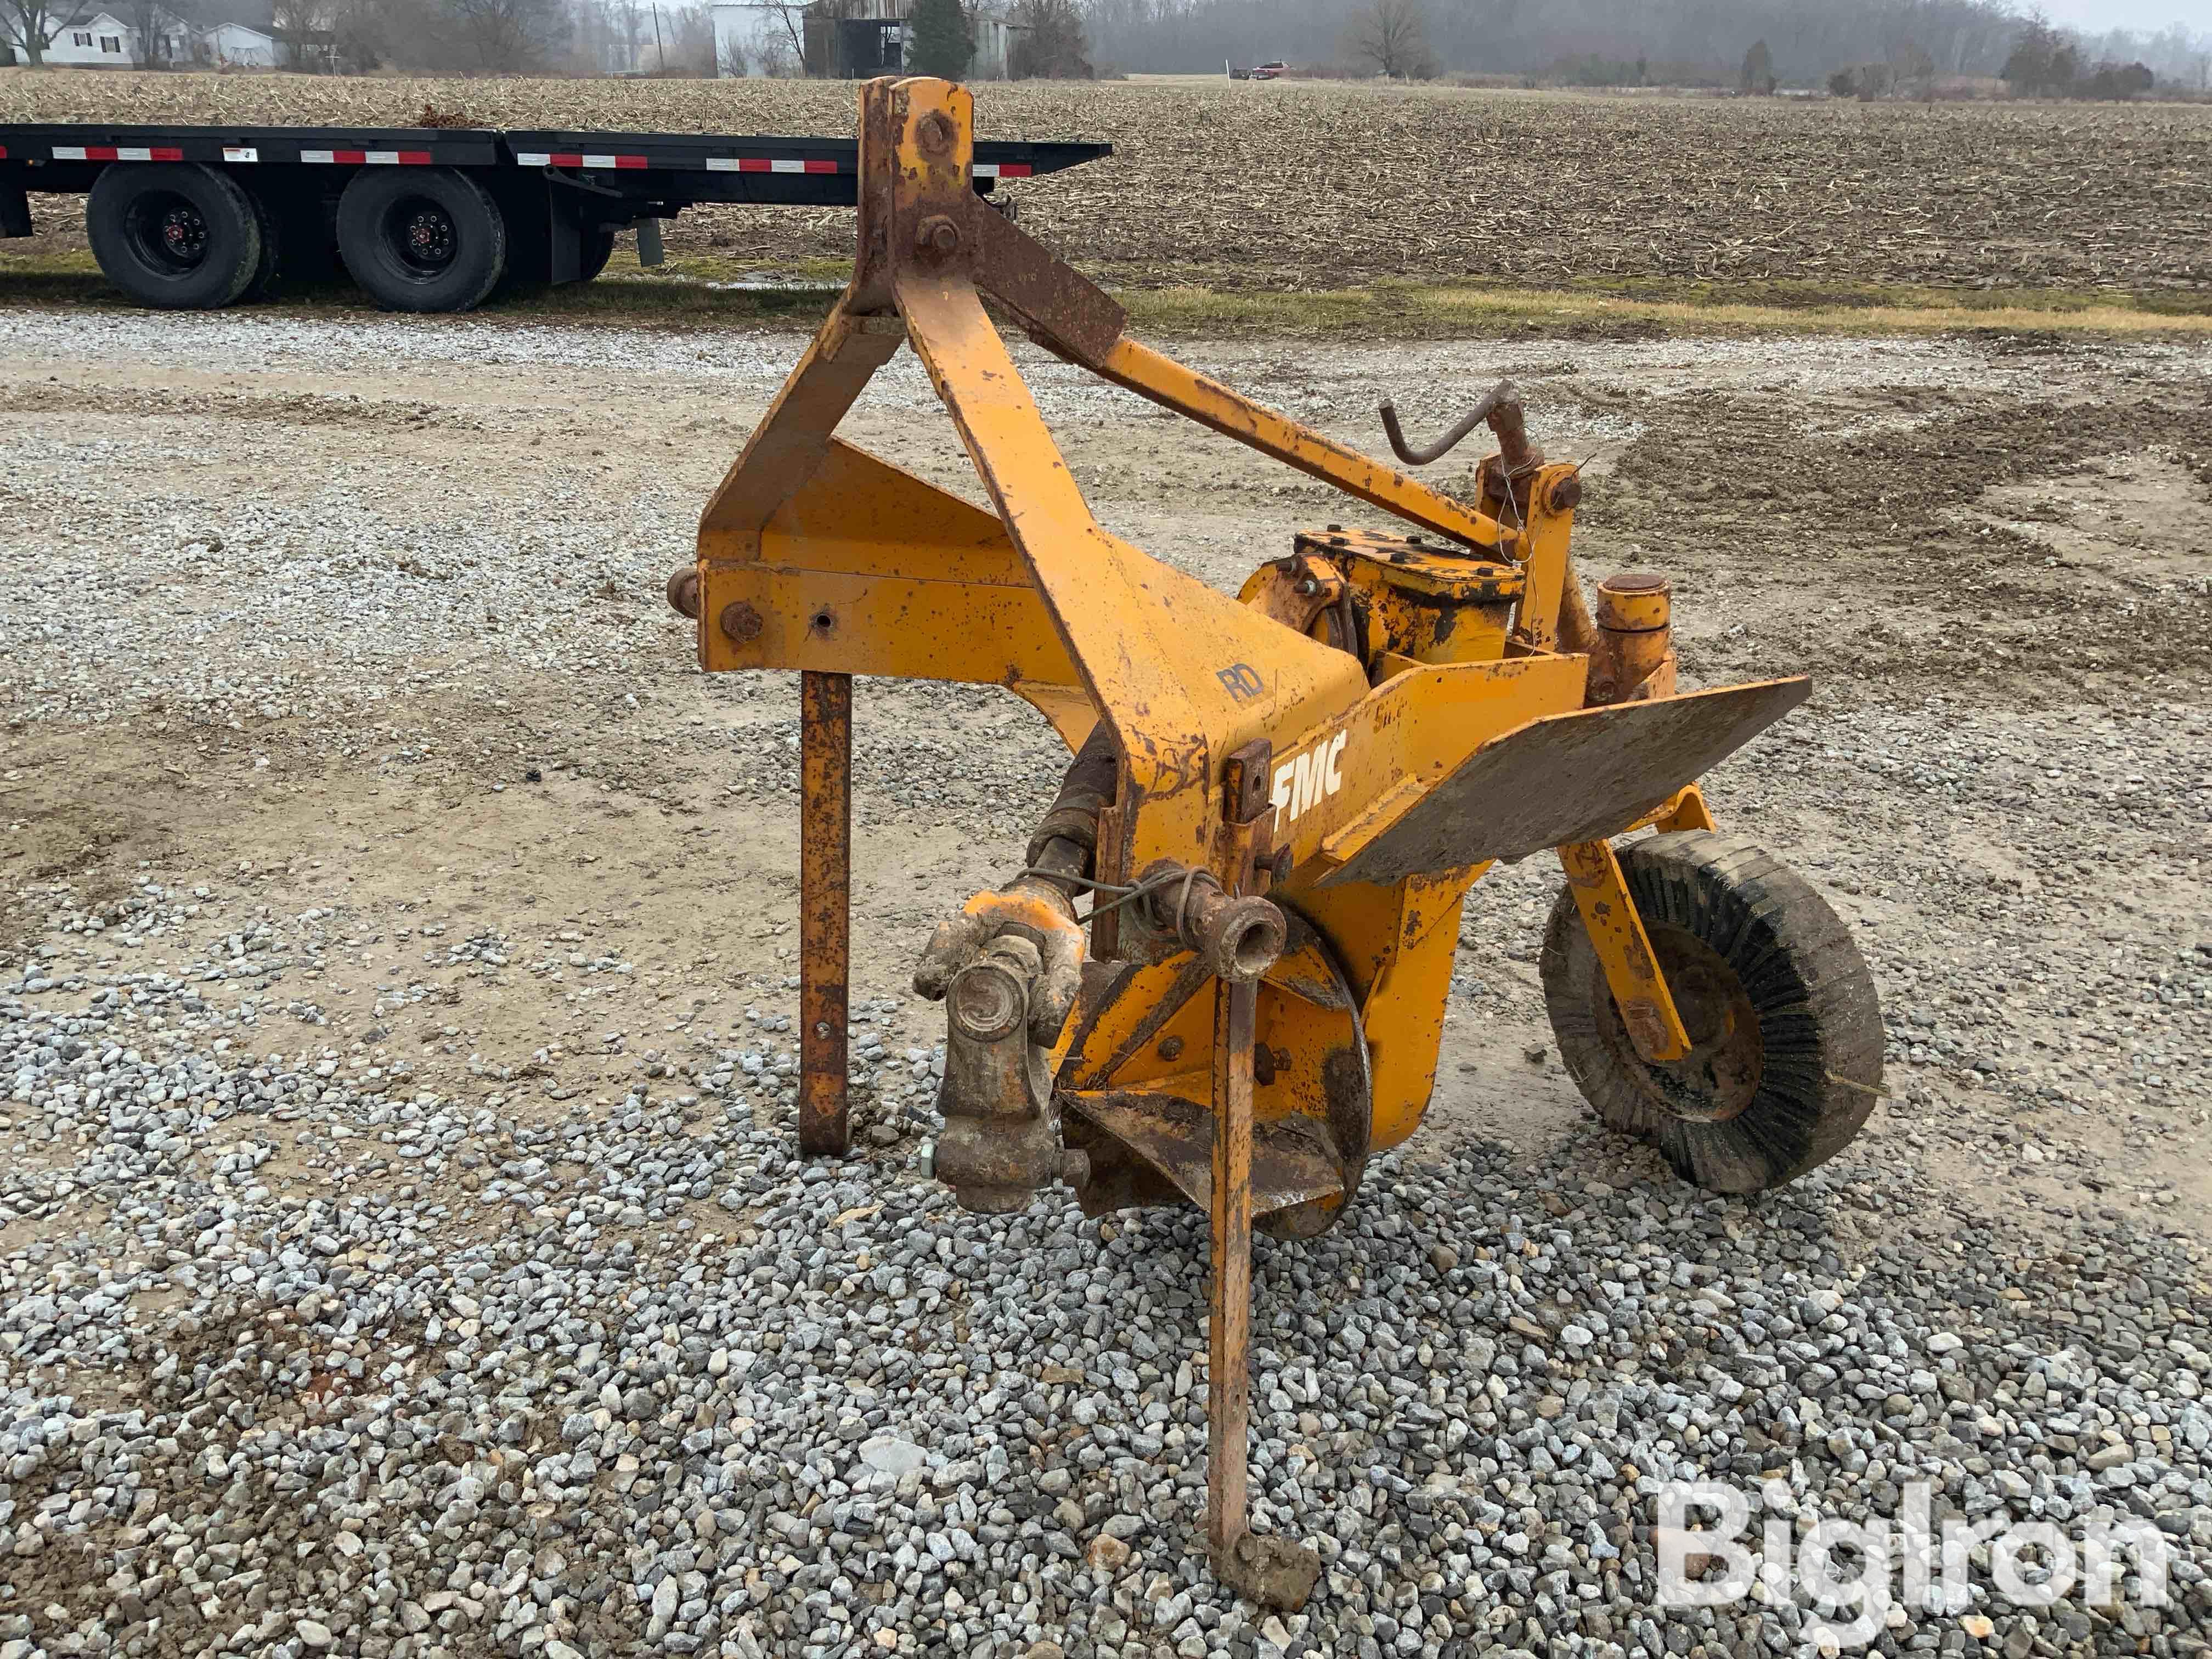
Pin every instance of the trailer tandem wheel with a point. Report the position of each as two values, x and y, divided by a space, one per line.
598 248
422 239
175 235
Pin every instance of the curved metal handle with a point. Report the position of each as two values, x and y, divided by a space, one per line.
1500 406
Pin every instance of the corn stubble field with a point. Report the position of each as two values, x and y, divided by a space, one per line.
1316 186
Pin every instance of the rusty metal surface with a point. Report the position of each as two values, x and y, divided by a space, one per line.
825 847
1001 1143
1616 932
1633 638
1207 401
1500 406
684 591
1064 309
1573 777
1291 1162
1229 1326
1312 972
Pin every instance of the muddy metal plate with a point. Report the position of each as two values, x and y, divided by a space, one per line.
1569 778
1290 1164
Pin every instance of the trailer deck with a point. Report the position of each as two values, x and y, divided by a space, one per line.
424 219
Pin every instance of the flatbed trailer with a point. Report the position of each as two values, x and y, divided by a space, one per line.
423 219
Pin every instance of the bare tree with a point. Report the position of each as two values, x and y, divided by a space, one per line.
691 39
1914 69
361 34
1050 45
160 31
1393 35
1757 75
508 35
626 19
30 25
302 29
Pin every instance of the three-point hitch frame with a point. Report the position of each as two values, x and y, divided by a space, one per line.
1292 790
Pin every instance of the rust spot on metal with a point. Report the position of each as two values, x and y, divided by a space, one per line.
740 622
937 236
1057 306
683 590
1643 1020
825 843
1171 1047
933 135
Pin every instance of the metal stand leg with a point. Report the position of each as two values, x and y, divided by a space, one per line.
825 854
1229 1366
1273 1572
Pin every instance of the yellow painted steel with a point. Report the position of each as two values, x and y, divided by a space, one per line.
1167 382
1647 1007
814 555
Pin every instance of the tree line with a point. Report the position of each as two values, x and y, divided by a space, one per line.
1611 42
1871 48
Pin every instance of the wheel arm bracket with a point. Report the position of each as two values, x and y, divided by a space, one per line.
1616 932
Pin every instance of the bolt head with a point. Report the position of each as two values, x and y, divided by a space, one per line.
938 235
740 622
933 134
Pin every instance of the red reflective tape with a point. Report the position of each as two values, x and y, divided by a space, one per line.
560 161
630 161
755 164
99 152
161 154
1013 169
414 158
355 157
822 167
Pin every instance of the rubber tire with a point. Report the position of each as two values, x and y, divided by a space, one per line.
236 250
1819 1020
478 226
270 272
598 248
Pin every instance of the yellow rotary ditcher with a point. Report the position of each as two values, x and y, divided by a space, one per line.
1276 802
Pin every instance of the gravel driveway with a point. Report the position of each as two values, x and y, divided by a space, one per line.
401 1250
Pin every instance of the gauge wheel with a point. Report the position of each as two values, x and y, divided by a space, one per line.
176 235
422 239
1785 1028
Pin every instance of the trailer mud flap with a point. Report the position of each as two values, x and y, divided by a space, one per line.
15 211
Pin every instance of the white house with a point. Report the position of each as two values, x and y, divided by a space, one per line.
101 40
234 45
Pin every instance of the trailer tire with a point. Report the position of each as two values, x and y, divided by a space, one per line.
427 238
269 271
176 235
598 248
